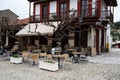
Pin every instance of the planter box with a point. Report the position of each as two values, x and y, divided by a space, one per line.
48 66
16 60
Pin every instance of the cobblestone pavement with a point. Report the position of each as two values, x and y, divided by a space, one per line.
73 71
113 57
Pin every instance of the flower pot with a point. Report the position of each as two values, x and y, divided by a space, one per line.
16 60
48 65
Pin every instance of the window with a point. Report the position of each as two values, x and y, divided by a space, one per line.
37 12
63 8
84 7
44 11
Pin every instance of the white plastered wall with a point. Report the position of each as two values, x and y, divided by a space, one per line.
108 36
89 38
93 7
93 38
93 41
103 13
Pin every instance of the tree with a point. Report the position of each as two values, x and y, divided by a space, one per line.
65 25
8 30
116 25
115 31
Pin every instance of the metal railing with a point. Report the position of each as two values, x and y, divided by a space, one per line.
55 16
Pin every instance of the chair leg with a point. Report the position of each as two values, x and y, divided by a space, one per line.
33 63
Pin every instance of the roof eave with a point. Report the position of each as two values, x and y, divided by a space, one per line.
111 2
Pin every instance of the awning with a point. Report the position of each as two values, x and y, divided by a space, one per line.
33 29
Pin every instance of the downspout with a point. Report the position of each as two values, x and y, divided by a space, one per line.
29 14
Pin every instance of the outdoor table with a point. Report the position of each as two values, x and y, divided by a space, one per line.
37 51
57 52
70 52
58 56
70 49
76 53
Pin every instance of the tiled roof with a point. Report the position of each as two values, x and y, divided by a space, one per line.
23 21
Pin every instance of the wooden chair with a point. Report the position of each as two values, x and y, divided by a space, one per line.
64 57
34 58
49 56
31 48
43 55
37 51
25 55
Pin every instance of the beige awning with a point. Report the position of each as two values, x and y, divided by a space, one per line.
33 29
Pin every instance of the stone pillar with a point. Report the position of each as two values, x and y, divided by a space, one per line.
100 40
71 39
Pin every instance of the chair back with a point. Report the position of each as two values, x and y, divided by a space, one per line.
65 56
43 55
34 57
25 54
49 56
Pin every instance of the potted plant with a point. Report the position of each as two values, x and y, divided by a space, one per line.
48 65
16 58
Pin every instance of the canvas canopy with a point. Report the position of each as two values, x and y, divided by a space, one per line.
33 29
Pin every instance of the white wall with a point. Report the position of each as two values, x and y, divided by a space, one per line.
93 37
103 14
93 7
108 36
89 38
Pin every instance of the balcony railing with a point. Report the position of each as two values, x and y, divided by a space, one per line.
35 18
37 0
62 15
52 16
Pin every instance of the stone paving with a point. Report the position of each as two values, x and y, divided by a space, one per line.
113 57
72 71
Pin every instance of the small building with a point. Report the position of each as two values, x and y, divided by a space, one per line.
9 14
79 23
7 21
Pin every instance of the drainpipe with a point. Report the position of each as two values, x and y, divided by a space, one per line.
29 14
